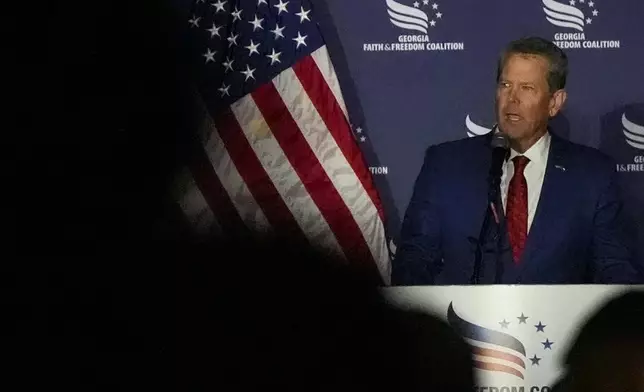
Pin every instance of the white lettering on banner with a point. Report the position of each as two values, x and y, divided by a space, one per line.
601 44
569 36
445 46
504 389
413 38
568 44
630 167
638 159
379 169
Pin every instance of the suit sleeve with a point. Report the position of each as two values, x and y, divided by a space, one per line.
418 254
611 248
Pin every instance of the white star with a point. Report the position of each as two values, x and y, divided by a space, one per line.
257 23
236 14
220 6
581 1
416 4
425 2
260 2
194 21
248 72
228 64
572 2
224 89
432 23
278 31
439 15
589 21
434 6
359 130
275 57
232 39
210 56
214 30
282 7
303 15
300 40
362 138
591 4
595 12
252 47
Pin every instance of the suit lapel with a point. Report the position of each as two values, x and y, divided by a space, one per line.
555 186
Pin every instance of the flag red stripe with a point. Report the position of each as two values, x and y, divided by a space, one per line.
488 352
257 180
327 106
213 191
312 174
498 368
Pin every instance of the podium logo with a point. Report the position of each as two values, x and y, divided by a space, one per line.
501 351
474 129
417 20
574 17
634 133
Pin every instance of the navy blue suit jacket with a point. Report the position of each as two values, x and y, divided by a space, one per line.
577 235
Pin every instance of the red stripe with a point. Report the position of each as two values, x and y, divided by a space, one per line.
212 190
329 109
496 367
312 174
255 177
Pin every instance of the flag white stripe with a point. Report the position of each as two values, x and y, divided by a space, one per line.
249 210
283 175
335 165
323 61
194 205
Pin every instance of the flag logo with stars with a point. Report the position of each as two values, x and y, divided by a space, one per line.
499 349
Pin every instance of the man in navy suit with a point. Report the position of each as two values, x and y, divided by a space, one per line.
558 215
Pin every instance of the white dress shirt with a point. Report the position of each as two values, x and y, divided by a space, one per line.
534 173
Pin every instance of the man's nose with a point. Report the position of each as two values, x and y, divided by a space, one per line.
512 95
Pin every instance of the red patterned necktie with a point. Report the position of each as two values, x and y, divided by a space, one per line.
517 208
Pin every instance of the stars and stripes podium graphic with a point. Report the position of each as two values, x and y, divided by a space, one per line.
500 351
276 150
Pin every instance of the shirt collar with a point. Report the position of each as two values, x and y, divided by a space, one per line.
538 153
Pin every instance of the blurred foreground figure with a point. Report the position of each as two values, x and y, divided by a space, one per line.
608 355
273 314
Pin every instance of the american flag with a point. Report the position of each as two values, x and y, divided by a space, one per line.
277 152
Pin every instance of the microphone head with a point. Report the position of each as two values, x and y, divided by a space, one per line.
500 140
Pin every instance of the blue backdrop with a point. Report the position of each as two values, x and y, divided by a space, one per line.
424 72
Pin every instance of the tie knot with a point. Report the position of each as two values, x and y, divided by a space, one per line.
520 162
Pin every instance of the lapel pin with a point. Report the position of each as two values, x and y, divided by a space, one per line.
560 167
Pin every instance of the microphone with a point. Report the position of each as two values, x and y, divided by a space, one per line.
500 144
500 152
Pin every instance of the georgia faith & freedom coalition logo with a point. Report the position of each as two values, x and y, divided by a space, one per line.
634 137
573 18
502 349
473 129
416 22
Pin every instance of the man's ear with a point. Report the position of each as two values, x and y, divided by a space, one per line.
557 101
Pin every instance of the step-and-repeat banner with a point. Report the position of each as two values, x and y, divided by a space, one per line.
424 72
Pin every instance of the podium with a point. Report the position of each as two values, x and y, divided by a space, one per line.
519 334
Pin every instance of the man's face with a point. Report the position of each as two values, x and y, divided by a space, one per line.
523 99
